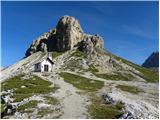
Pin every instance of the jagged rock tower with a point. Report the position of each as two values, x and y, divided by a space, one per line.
67 35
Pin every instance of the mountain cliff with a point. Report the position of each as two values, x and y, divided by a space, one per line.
67 34
152 61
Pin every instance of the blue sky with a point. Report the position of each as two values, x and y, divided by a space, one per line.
129 29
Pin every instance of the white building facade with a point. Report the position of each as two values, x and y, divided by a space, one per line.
44 66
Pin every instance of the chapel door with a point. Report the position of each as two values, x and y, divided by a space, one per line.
46 68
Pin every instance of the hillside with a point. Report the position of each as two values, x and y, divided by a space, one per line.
86 81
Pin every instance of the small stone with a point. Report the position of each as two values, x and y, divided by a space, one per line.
23 86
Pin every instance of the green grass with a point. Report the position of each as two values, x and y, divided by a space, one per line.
98 110
82 83
33 85
42 112
51 100
93 69
131 89
17 82
2 107
116 65
148 75
56 54
20 97
116 76
73 64
30 104
79 53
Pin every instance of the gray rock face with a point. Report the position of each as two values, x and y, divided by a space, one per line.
90 42
152 61
86 46
46 42
67 34
97 41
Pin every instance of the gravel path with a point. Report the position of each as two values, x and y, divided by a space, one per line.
74 104
143 105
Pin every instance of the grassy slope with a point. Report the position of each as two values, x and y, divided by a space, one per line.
131 89
99 110
51 100
116 76
56 54
31 87
79 54
75 64
30 104
82 83
148 75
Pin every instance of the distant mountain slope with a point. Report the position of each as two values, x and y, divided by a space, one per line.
152 61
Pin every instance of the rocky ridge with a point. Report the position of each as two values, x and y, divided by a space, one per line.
67 34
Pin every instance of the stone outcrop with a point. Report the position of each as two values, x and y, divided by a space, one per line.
88 43
67 35
44 43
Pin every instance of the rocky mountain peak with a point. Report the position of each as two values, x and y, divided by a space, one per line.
152 61
69 23
67 35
